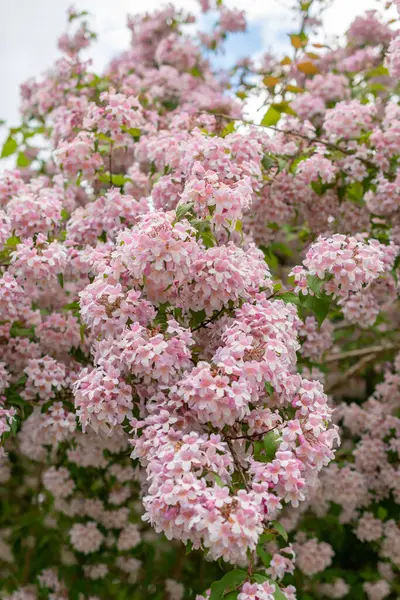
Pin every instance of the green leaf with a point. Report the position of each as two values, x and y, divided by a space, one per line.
12 242
280 529
259 578
271 117
382 513
134 132
183 209
208 238
197 318
290 297
229 581
283 107
268 162
318 305
218 480
231 595
118 180
355 192
271 442
269 388
278 594
10 146
266 557
315 283
189 547
23 160
60 278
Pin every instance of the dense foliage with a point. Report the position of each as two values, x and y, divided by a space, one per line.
199 331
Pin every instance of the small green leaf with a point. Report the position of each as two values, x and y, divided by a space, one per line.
10 146
319 306
60 278
280 529
269 388
382 513
189 547
183 209
290 297
229 581
278 594
218 480
271 117
268 162
23 160
271 443
266 557
208 239
260 578
315 283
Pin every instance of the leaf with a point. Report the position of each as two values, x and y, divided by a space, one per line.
197 318
134 132
12 242
271 81
280 529
382 513
268 162
295 89
189 547
315 283
183 209
229 581
318 305
308 67
269 388
259 578
9 147
298 40
278 594
265 556
284 107
355 192
22 160
271 442
218 480
286 61
271 117
208 238
231 595
290 297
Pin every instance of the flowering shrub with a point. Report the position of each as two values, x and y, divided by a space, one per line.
196 310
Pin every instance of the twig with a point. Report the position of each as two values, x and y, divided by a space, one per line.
360 352
237 464
251 437
350 372
367 162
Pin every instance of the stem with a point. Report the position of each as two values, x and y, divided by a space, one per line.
352 371
360 352
237 464
325 143
252 437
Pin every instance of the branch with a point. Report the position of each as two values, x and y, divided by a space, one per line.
350 372
252 437
237 463
360 352
325 143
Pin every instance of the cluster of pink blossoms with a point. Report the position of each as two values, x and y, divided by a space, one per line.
159 372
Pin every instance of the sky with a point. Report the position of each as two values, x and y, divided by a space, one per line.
29 30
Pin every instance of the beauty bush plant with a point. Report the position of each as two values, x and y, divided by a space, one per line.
194 310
